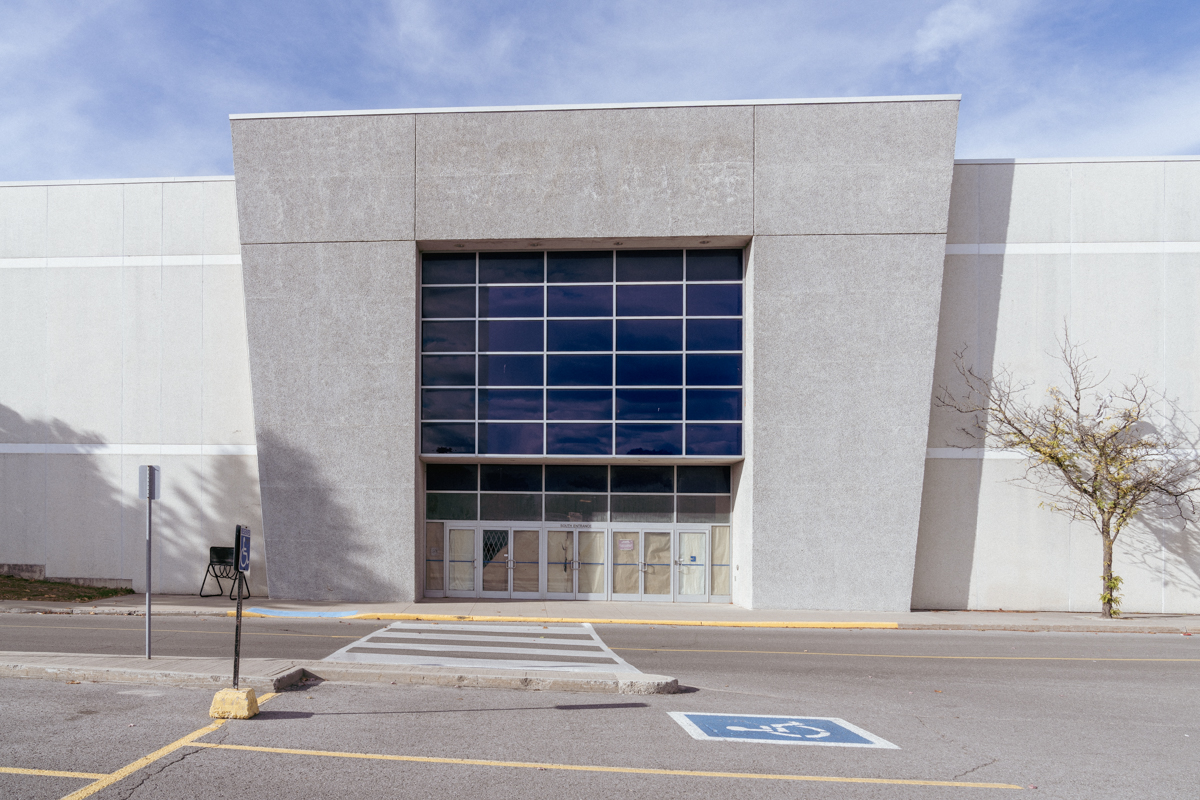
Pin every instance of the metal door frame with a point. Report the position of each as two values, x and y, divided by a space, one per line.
641 529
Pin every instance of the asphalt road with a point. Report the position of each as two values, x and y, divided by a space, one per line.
1077 715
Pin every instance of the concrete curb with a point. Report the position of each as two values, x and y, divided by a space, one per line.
1037 627
273 675
262 675
535 680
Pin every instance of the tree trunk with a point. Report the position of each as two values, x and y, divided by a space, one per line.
1105 590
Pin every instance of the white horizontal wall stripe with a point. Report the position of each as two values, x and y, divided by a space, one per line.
1069 248
97 181
120 261
976 453
131 449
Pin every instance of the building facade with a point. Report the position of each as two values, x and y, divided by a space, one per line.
678 352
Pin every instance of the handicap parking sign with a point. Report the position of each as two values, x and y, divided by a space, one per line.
771 729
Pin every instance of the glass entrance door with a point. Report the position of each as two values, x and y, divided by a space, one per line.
575 565
641 565
690 566
461 561
510 561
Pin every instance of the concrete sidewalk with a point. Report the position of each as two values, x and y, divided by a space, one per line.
598 612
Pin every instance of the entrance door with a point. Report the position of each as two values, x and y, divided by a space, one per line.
641 565
460 578
575 565
510 563
690 566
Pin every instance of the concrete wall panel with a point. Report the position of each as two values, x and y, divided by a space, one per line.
84 220
1031 203
853 168
562 174
142 355
324 179
220 219
846 326
332 331
23 221
142 217
183 207
1118 202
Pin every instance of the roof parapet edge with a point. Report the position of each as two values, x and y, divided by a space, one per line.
94 181
603 106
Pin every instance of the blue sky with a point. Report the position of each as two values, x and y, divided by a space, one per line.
134 89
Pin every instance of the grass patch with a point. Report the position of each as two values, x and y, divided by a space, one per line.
12 588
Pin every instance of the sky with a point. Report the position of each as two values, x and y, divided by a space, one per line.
123 89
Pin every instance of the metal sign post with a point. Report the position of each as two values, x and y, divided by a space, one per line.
149 482
243 569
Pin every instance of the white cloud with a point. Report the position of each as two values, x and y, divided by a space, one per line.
949 28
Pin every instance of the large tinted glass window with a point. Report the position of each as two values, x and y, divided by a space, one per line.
510 478
451 477
703 480
593 353
572 478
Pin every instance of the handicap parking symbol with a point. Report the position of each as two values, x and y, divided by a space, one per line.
771 729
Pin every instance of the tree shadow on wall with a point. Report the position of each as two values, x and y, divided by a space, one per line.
318 546
1159 537
64 513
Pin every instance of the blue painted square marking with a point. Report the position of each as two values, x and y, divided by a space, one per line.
771 729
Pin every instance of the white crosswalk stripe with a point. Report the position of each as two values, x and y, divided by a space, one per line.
565 647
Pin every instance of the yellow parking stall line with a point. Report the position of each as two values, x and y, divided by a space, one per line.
52 773
474 762
124 772
899 655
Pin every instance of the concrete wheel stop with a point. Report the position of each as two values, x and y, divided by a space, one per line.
234 704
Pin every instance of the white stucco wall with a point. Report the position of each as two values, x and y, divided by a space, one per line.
1111 248
123 342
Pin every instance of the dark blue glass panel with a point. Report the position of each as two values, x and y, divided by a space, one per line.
584 267
706 370
657 480
521 439
586 404
714 300
576 478
579 334
649 265
448 437
510 267
510 301
579 370
649 301
714 265
714 404
579 301
451 477
703 480
448 370
579 440
649 440
510 370
714 440
452 301
714 334
649 334
510 403
511 335
447 404
649 404
448 268
510 477
649 370
448 337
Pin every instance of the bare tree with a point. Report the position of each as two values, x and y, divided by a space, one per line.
1096 456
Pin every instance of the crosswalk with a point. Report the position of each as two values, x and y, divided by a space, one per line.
563 647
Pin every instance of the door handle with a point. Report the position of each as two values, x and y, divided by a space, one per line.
642 566
574 565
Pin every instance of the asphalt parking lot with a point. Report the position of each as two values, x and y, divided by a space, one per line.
1076 715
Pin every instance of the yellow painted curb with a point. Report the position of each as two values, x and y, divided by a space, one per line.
593 621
